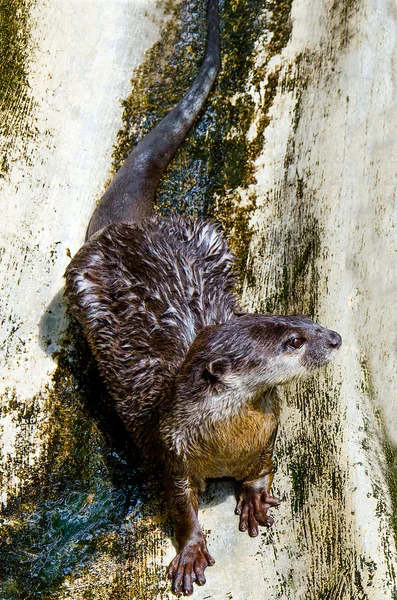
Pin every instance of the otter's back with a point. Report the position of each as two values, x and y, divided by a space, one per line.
142 291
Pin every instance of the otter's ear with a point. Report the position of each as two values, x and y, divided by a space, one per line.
215 370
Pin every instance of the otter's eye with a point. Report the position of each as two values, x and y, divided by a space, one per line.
295 342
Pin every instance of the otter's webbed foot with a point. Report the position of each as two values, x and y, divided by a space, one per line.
253 509
189 566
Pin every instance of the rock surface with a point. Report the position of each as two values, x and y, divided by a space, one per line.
296 157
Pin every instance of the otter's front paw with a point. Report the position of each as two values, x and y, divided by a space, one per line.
253 509
188 566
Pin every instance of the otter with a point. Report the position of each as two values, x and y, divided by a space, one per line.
193 377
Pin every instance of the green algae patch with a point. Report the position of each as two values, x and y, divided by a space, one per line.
217 157
16 103
311 454
390 452
78 504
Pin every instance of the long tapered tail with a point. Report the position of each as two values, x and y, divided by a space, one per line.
130 196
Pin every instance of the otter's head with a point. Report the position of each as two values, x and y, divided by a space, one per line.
255 352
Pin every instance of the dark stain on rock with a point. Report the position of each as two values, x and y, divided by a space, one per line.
340 15
374 427
311 455
16 102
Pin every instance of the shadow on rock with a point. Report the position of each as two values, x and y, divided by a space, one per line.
75 503
52 325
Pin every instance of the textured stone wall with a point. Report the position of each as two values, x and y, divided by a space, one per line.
296 157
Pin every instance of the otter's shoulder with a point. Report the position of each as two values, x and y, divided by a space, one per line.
142 291
177 270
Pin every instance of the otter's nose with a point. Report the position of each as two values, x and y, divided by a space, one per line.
334 340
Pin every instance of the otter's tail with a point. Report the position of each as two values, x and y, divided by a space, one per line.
130 195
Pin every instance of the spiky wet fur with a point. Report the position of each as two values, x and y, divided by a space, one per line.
142 291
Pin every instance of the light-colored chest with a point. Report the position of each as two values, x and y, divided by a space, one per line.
230 447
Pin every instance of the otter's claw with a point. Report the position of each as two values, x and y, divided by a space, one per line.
188 566
253 509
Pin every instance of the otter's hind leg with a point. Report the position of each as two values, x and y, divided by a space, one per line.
193 557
